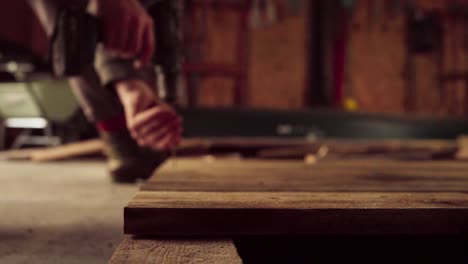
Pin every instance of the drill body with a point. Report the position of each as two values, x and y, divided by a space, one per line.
74 42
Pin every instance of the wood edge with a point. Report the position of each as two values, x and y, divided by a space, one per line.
144 250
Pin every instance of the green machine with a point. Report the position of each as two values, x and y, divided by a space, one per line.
43 110
42 107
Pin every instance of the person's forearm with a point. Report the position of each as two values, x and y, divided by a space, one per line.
151 122
136 87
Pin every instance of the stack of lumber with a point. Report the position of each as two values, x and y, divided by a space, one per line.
191 198
231 197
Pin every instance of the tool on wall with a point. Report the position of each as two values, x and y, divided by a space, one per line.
238 70
420 32
341 54
263 13
456 71
424 32
393 8
374 13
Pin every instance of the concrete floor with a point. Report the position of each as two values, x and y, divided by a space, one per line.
66 212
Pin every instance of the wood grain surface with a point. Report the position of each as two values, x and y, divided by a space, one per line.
333 175
295 213
362 196
175 251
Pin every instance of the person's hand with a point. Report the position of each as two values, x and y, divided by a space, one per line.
128 29
152 124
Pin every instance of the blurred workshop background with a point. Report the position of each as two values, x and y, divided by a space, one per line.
254 74
395 57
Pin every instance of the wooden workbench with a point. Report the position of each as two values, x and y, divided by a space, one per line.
231 197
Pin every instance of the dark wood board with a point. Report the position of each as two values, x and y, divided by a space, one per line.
231 197
175 251
295 213
371 175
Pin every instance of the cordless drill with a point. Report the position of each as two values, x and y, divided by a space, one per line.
74 42
76 36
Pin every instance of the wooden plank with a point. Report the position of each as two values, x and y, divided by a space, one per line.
339 146
263 146
245 142
354 196
189 147
89 147
175 251
295 213
56 153
17 154
388 151
370 175
243 145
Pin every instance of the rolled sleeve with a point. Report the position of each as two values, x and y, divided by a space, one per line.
111 69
